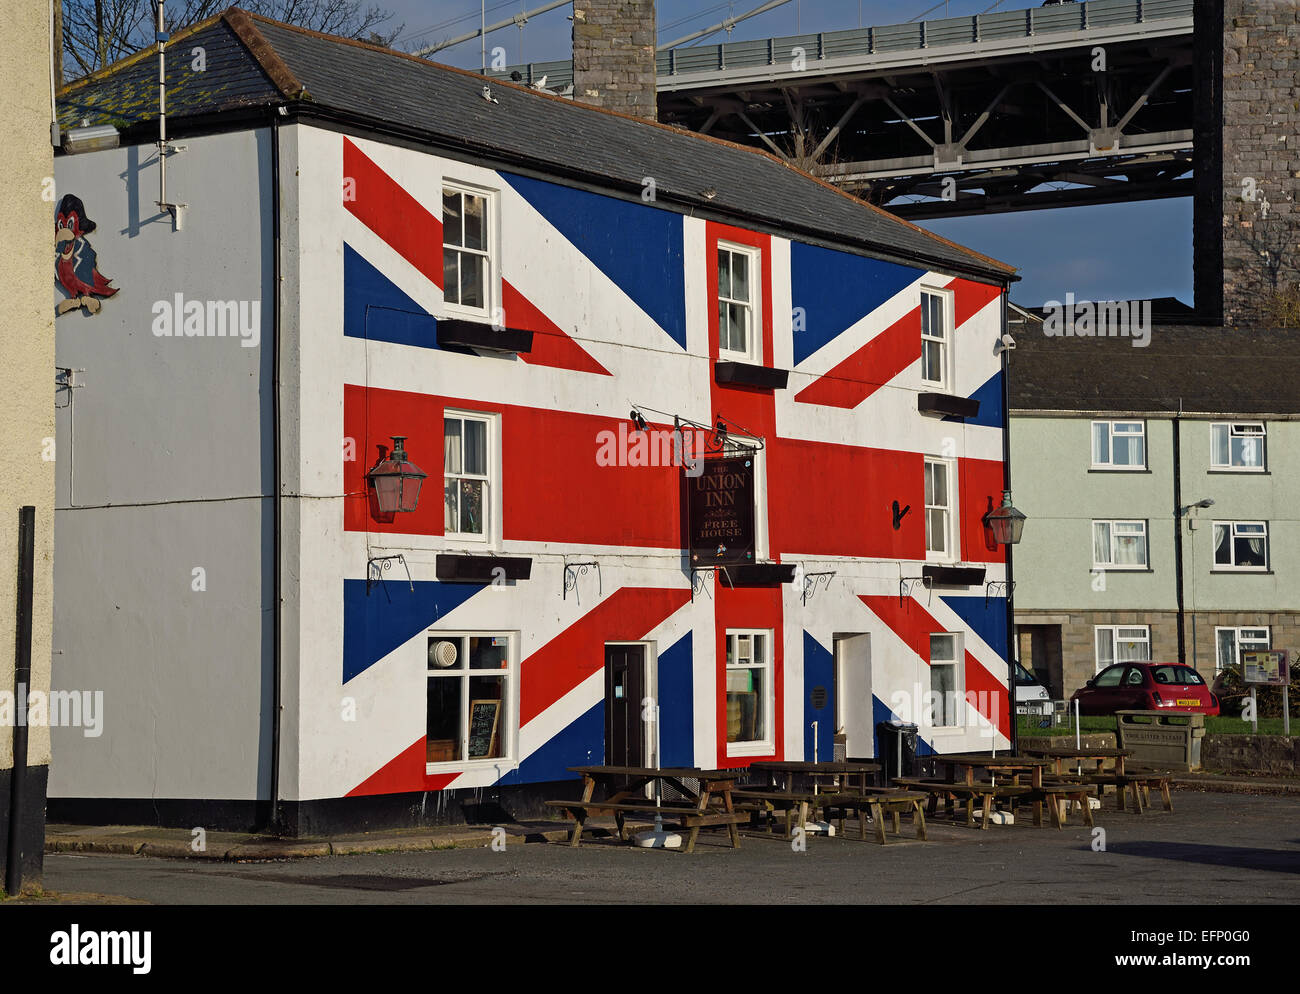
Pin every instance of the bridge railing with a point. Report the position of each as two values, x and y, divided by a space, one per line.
950 31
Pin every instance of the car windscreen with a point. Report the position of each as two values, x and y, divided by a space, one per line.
1177 676
1023 677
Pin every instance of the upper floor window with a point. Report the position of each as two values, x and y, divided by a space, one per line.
1119 544
936 339
738 303
1119 445
467 250
940 508
750 691
467 471
1237 445
1241 545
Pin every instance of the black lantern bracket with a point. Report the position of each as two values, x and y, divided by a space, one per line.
574 570
376 566
700 579
1008 588
720 436
811 581
907 584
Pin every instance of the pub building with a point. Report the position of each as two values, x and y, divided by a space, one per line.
521 458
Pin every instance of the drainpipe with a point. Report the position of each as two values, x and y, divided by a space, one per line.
277 475
22 684
1178 537
1006 485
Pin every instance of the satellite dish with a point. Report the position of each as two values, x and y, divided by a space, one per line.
443 654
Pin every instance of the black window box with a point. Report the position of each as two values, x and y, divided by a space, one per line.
476 335
751 375
481 569
954 576
760 574
942 403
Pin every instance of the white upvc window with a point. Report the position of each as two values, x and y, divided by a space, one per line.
740 336
936 339
470 265
1119 545
941 536
470 697
1241 545
1119 445
1122 644
1232 642
750 692
945 680
1237 446
469 468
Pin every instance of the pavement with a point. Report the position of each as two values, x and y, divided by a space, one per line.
1215 849
234 847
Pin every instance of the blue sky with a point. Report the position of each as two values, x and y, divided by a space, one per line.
1120 251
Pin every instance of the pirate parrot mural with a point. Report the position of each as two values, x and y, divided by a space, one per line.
75 267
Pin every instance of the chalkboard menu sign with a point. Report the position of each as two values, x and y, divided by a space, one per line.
720 511
483 719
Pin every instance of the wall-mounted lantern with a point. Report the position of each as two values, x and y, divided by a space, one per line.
396 480
1006 522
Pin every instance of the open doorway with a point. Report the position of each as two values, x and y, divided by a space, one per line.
853 708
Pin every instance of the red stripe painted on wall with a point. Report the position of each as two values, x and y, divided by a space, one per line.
980 483
403 773
555 669
380 203
848 383
971 298
749 607
983 686
551 345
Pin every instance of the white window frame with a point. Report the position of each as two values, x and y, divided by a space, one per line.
952 538
1240 429
1232 527
766 745
491 481
492 255
943 340
1112 524
754 330
1112 634
958 680
1238 640
508 720
1109 463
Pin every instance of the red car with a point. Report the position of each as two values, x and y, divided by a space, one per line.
1146 687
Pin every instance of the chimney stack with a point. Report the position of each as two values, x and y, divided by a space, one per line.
614 55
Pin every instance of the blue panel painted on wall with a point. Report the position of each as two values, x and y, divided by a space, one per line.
636 246
579 743
989 623
375 307
990 397
375 625
837 290
818 671
677 704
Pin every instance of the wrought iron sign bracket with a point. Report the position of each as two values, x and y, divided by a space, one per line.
811 580
376 566
1007 589
700 578
908 583
575 569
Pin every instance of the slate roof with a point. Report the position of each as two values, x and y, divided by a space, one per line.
254 61
1209 370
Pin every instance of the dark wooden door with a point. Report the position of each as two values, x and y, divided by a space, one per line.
624 693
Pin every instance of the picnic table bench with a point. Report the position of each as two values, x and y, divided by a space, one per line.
1138 782
868 803
969 793
711 807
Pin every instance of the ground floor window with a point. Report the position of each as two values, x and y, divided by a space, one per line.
467 696
1122 644
945 679
750 690
1231 642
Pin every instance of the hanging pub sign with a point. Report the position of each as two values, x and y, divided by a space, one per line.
720 512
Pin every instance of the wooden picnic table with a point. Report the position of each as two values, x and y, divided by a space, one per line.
706 806
1013 766
1139 782
842 775
1063 754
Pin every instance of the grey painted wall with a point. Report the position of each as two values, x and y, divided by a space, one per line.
164 466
